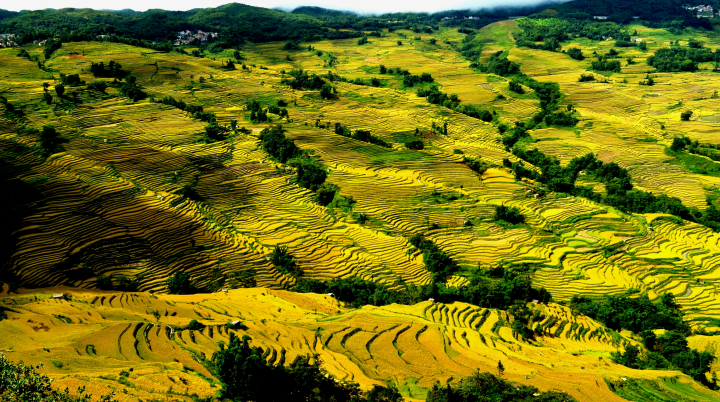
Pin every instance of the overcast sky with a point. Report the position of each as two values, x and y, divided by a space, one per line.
363 6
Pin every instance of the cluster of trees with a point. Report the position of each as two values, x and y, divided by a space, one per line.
246 375
274 142
10 109
113 69
482 387
575 53
415 144
640 315
475 165
50 140
410 80
668 351
603 64
235 23
309 82
72 80
285 262
498 287
548 93
617 181
515 86
634 314
439 263
311 174
260 115
507 214
213 130
547 34
192 109
678 58
120 282
683 143
361 135
661 14
19 382
436 97
129 88
51 46
374 82
180 284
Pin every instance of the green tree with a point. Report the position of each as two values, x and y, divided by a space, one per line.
47 98
179 284
50 140
285 262
415 144
685 116
510 215
326 194
326 91
485 387
60 90
275 143
247 376
575 53
19 382
516 86
310 173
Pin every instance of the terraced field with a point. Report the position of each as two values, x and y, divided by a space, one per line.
91 338
115 208
110 201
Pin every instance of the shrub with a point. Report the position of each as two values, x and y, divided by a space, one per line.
515 86
575 53
327 91
415 144
246 375
50 140
275 143
195 325
487 387
326 194
284 262
685 116
510 215
179 284
19 382
310 173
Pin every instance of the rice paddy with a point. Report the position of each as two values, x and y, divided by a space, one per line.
112 204
93 337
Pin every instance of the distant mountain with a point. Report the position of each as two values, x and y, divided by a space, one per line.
7 14
656 12
320 12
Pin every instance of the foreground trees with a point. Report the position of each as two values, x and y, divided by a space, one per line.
247 376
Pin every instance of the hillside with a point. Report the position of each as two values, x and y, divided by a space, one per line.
90 339
485 169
